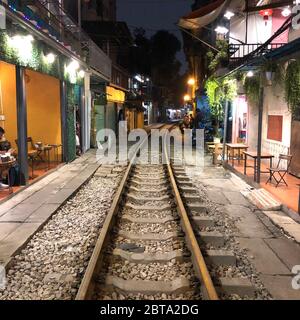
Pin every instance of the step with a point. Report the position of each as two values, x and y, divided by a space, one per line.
148 287
221 257
262 199
240 286
146 258
213 238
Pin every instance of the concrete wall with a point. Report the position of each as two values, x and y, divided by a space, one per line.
274 104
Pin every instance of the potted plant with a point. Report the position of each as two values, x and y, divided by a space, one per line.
273 72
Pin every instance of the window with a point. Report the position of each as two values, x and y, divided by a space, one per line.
275 128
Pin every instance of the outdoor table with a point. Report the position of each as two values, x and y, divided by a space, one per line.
253 155
32 154
5 166
46 149
55 149
235 146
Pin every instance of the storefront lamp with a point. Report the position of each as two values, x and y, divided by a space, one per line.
228 15
286 12
81 74
74 65
221 30
250 74
191 82
187 98
50 58
22 45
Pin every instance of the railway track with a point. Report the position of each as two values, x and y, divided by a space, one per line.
149 246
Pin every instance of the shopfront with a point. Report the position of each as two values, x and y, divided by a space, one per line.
40 104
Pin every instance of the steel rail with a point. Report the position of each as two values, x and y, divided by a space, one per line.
198 260
87 284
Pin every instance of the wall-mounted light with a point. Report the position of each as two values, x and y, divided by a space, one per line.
74 65
228 15
50 58
22 45
139 78
250 74
191 82
187 98
286 12
81 74
221 30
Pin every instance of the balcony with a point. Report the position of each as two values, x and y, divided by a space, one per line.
238 53
48 17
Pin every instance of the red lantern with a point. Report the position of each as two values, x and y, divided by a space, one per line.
266 14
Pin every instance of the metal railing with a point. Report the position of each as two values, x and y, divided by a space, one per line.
239 51
50 18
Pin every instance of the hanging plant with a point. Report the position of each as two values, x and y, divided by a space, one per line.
292 88
252 88
219 58
273 71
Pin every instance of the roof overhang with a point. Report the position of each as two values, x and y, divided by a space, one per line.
203 16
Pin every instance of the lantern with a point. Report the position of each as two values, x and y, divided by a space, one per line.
266 14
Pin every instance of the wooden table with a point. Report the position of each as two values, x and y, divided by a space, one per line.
253 155
46 150
5 166
235 146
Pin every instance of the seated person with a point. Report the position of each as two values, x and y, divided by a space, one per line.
5 147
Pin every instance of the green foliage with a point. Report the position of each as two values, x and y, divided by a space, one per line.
218 91
215 59
292 88
276 68
252 88
36 61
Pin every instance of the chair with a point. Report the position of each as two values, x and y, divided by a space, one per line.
32 154
280 172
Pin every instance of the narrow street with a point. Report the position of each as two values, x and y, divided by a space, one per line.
149 153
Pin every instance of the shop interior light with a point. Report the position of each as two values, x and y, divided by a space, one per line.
250 74
74 65
221 30
50 58
139 78
228 15
286 12
187 98
81 74
191 82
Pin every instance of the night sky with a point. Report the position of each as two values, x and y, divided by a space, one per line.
153 15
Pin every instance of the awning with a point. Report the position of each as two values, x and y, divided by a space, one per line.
203 16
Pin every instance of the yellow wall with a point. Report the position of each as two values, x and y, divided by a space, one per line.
43 108
8 101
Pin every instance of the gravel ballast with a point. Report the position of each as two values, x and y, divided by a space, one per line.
53 262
